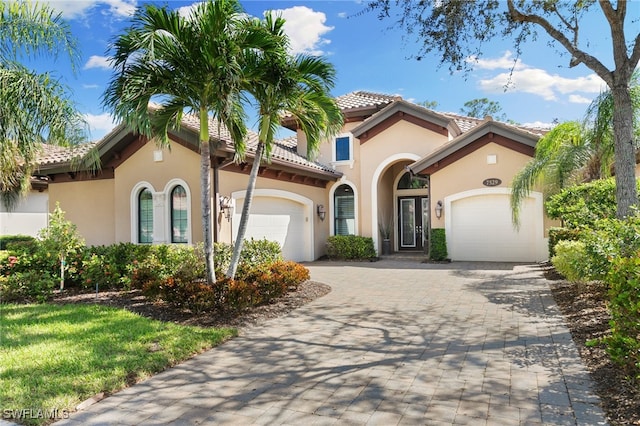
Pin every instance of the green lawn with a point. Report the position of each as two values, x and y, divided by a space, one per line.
52 357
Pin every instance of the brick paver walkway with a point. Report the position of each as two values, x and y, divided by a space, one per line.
393 343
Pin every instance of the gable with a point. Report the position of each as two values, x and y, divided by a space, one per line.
489 132
397 112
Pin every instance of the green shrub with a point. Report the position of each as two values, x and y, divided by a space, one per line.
26 287
608 240
580 206
623 344
222 253
7 240
351 247
571 260
557 234
438 246
254 253
99 272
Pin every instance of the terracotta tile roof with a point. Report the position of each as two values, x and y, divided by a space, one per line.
283 149
464 123
363 99
52 154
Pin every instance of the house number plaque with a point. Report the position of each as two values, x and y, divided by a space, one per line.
491 182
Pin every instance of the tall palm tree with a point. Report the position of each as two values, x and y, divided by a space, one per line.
574 152
283 84
34 107
185 64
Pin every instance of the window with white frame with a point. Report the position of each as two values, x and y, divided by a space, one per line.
179 212
344 211
145 216
343 149
161 216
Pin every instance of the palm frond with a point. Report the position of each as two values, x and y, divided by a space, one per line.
32 28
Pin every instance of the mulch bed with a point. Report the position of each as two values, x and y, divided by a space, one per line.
584 307
135 301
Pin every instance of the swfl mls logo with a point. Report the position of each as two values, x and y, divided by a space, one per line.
32 413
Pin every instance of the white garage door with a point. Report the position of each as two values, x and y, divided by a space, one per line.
277 219
481 230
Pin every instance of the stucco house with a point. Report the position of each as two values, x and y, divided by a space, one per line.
394 162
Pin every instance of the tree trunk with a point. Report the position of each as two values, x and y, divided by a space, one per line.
205 191
244 218
62 264
625 152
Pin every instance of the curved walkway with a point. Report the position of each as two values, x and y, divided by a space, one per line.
393 343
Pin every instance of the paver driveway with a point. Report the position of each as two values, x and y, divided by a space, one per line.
393 343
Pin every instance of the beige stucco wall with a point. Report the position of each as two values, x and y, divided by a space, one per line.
469 172
231 182
179 162
102 208
400 144
89 205
383 156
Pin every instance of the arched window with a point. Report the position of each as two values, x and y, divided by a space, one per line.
412 182
145 216
344 210
179 210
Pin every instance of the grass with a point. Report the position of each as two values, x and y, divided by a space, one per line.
52 357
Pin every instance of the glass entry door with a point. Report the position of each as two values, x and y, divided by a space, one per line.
413 222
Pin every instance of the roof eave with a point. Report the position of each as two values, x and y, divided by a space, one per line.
400 106
471 136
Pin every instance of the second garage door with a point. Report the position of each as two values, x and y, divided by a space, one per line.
480 229
278 219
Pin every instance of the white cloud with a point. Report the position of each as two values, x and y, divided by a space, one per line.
539 125
305 28
537 81
506 62
90 86
95 61
578 99
101 123
343 15
73 9
124 8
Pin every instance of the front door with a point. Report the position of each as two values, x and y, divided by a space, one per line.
413 223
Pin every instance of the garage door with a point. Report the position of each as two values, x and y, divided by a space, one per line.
481 229
277 219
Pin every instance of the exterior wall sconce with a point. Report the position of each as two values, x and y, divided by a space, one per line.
226 207
438 209
321 212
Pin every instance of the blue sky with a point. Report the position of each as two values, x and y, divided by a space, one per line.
368 54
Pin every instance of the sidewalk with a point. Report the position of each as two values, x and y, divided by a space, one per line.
394 343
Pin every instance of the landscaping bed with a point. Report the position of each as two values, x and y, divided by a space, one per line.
135 301
584 307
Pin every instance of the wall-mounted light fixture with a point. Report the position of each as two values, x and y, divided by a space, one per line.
321 212
226 206
438 209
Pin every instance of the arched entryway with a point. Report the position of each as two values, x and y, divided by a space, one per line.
390 206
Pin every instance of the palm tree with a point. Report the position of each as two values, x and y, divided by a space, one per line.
185 64
282 84
574 152
34 107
